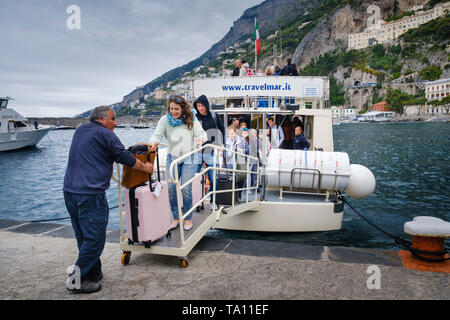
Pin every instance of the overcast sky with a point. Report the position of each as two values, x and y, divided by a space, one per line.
55 71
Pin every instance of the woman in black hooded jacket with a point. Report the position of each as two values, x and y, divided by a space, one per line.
215 130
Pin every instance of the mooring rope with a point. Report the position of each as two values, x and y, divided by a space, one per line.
406 244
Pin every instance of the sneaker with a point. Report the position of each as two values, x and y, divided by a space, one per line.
174 224
187 225
87 287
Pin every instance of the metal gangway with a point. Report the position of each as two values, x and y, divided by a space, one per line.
181 242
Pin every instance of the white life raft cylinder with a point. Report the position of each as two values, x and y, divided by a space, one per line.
317 170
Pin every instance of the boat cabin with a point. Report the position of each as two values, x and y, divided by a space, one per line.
10 120
254 99
4 102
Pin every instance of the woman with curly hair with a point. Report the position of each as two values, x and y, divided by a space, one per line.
183 133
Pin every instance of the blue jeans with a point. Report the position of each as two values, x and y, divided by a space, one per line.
185 172
89 214
208 159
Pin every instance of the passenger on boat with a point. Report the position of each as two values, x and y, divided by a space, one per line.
183 135
254 151
235 123
286 125
232 143
265 148
237 69
244 147
290 69
92 153
276 133
215 130
269 71
245 70
276 70
242 125
245 140
300 141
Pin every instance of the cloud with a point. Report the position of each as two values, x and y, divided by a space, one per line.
53 71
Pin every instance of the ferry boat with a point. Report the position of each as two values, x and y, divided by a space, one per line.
295 190
299 188
375 116
15 131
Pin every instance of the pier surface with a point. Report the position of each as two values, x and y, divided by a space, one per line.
35 257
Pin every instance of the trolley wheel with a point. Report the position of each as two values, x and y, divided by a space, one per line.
126 257
184 263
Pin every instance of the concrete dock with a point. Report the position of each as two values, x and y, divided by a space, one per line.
35 256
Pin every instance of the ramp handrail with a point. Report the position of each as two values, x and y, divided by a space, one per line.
175 179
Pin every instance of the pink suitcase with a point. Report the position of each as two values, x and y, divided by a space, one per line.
198 191
147 216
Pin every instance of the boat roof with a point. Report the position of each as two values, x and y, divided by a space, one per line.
247 111
263 86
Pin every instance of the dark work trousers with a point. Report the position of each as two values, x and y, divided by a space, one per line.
89 215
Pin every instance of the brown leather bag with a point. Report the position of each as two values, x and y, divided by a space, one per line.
133 177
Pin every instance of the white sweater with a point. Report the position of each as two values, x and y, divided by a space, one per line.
180 139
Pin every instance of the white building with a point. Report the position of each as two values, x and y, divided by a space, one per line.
337 112
350 113
437 89
382 31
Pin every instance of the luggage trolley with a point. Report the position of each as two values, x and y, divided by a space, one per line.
181 242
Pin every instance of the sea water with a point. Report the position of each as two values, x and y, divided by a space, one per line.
410 161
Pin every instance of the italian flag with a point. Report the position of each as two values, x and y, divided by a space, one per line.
257 40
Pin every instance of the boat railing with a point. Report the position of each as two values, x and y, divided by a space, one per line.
316 174
234 208
301 170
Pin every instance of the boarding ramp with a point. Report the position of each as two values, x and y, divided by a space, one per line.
181 242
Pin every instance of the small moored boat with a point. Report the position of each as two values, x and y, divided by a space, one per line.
15 131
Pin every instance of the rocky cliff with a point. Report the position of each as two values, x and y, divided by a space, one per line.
332 31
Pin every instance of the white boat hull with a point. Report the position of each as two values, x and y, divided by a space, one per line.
286 217
21 139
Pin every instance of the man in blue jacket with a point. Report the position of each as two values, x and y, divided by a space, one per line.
300 141
93 151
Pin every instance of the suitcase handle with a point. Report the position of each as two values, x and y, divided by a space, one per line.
157 163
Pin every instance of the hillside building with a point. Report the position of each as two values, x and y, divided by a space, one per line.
436 90
383 31
380 106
